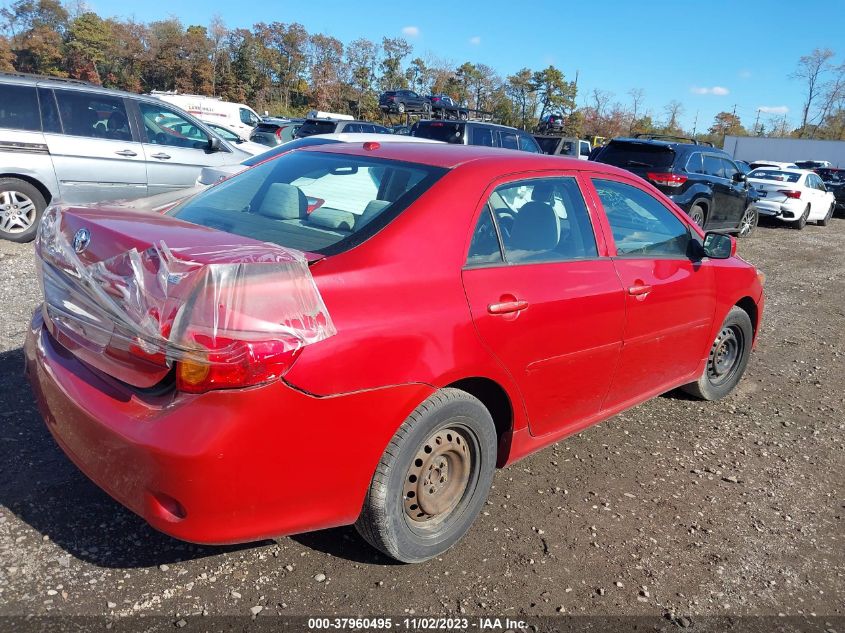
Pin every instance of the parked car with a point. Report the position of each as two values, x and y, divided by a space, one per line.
476 133
702 180
447 108
401 130
404 368
336 126
275 131
812 164
402 101
744 167
550 123
834 179
72 141
757 164
236 139
561 146
212 175
235 116
796 196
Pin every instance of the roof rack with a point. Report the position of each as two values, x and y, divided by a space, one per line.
666 137
6 73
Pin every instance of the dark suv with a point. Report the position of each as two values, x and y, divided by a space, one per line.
476 133
550 124
701 179
335 126
834 180
403 101
446 108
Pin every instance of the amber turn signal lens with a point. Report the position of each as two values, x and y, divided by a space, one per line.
191 373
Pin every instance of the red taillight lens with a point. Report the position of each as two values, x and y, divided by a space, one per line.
279 132
667 179
789 193
243 364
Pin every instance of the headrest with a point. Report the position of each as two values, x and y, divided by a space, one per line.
543 192
284 202
535 228
373 208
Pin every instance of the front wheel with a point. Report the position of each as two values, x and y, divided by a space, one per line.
826 219
727 359
748 222
21 206
432 480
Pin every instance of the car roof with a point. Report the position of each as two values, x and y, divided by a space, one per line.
499 125
448 155
366 137
675 145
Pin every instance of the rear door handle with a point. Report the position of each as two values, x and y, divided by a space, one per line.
639 290
506 307
126 152
161 156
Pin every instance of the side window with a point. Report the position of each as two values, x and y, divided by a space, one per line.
93 115
19 108
481 135
353 127
713 166
528 144
585 148
543 220
508 140
49 111
694 164
247 117
641 225
164 127
729 168
485 248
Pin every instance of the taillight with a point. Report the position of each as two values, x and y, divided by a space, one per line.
666 179
279 131
222 363
790 193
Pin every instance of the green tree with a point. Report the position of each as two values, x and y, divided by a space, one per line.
395 49
361 65
727 123
554 92
520 88
88 41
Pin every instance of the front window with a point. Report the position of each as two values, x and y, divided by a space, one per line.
311 201
164 127
641 224
248 117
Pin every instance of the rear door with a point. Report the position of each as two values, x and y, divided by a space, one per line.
95 147
176 148
723 199
670 298
543 299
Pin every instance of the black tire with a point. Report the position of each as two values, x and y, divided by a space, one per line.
748 222
698 214
723 372
391 521
801 222
21 206
463 116
401 108
826 219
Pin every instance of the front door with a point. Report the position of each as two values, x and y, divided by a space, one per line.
176 148
543 301
96 152
670 298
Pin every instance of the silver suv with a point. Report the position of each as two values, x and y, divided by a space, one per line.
75 142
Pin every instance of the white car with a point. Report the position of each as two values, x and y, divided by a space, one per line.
220 172
797 196
757 164
235 116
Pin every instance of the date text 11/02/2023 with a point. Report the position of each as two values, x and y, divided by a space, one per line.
416 624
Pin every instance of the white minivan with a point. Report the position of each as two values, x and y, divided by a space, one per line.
235 116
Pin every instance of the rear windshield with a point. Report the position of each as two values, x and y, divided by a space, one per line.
548 145
440 131
268 127
309 128
627 155
311 201
774 175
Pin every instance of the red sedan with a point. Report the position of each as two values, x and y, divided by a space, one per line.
240 368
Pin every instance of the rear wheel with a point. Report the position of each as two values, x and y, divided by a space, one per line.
748 222
698 215
801 222
432 480
401 108
826 219
728 358
21 206
464 116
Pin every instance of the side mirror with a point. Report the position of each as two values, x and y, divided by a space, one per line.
739 177
719 245
213 144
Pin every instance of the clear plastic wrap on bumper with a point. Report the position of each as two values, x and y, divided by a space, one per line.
150 307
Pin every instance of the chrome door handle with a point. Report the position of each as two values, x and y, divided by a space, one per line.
506 307
161 156
126 152
639 290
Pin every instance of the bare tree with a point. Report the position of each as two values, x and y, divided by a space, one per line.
637 95
601 101
811 70
674 109
217 33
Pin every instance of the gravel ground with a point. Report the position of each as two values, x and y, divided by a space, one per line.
674 507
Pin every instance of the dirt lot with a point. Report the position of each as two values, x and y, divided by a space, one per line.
675 507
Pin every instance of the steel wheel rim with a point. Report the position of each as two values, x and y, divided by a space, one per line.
17 212
746 224
725 355
697 216
439 477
